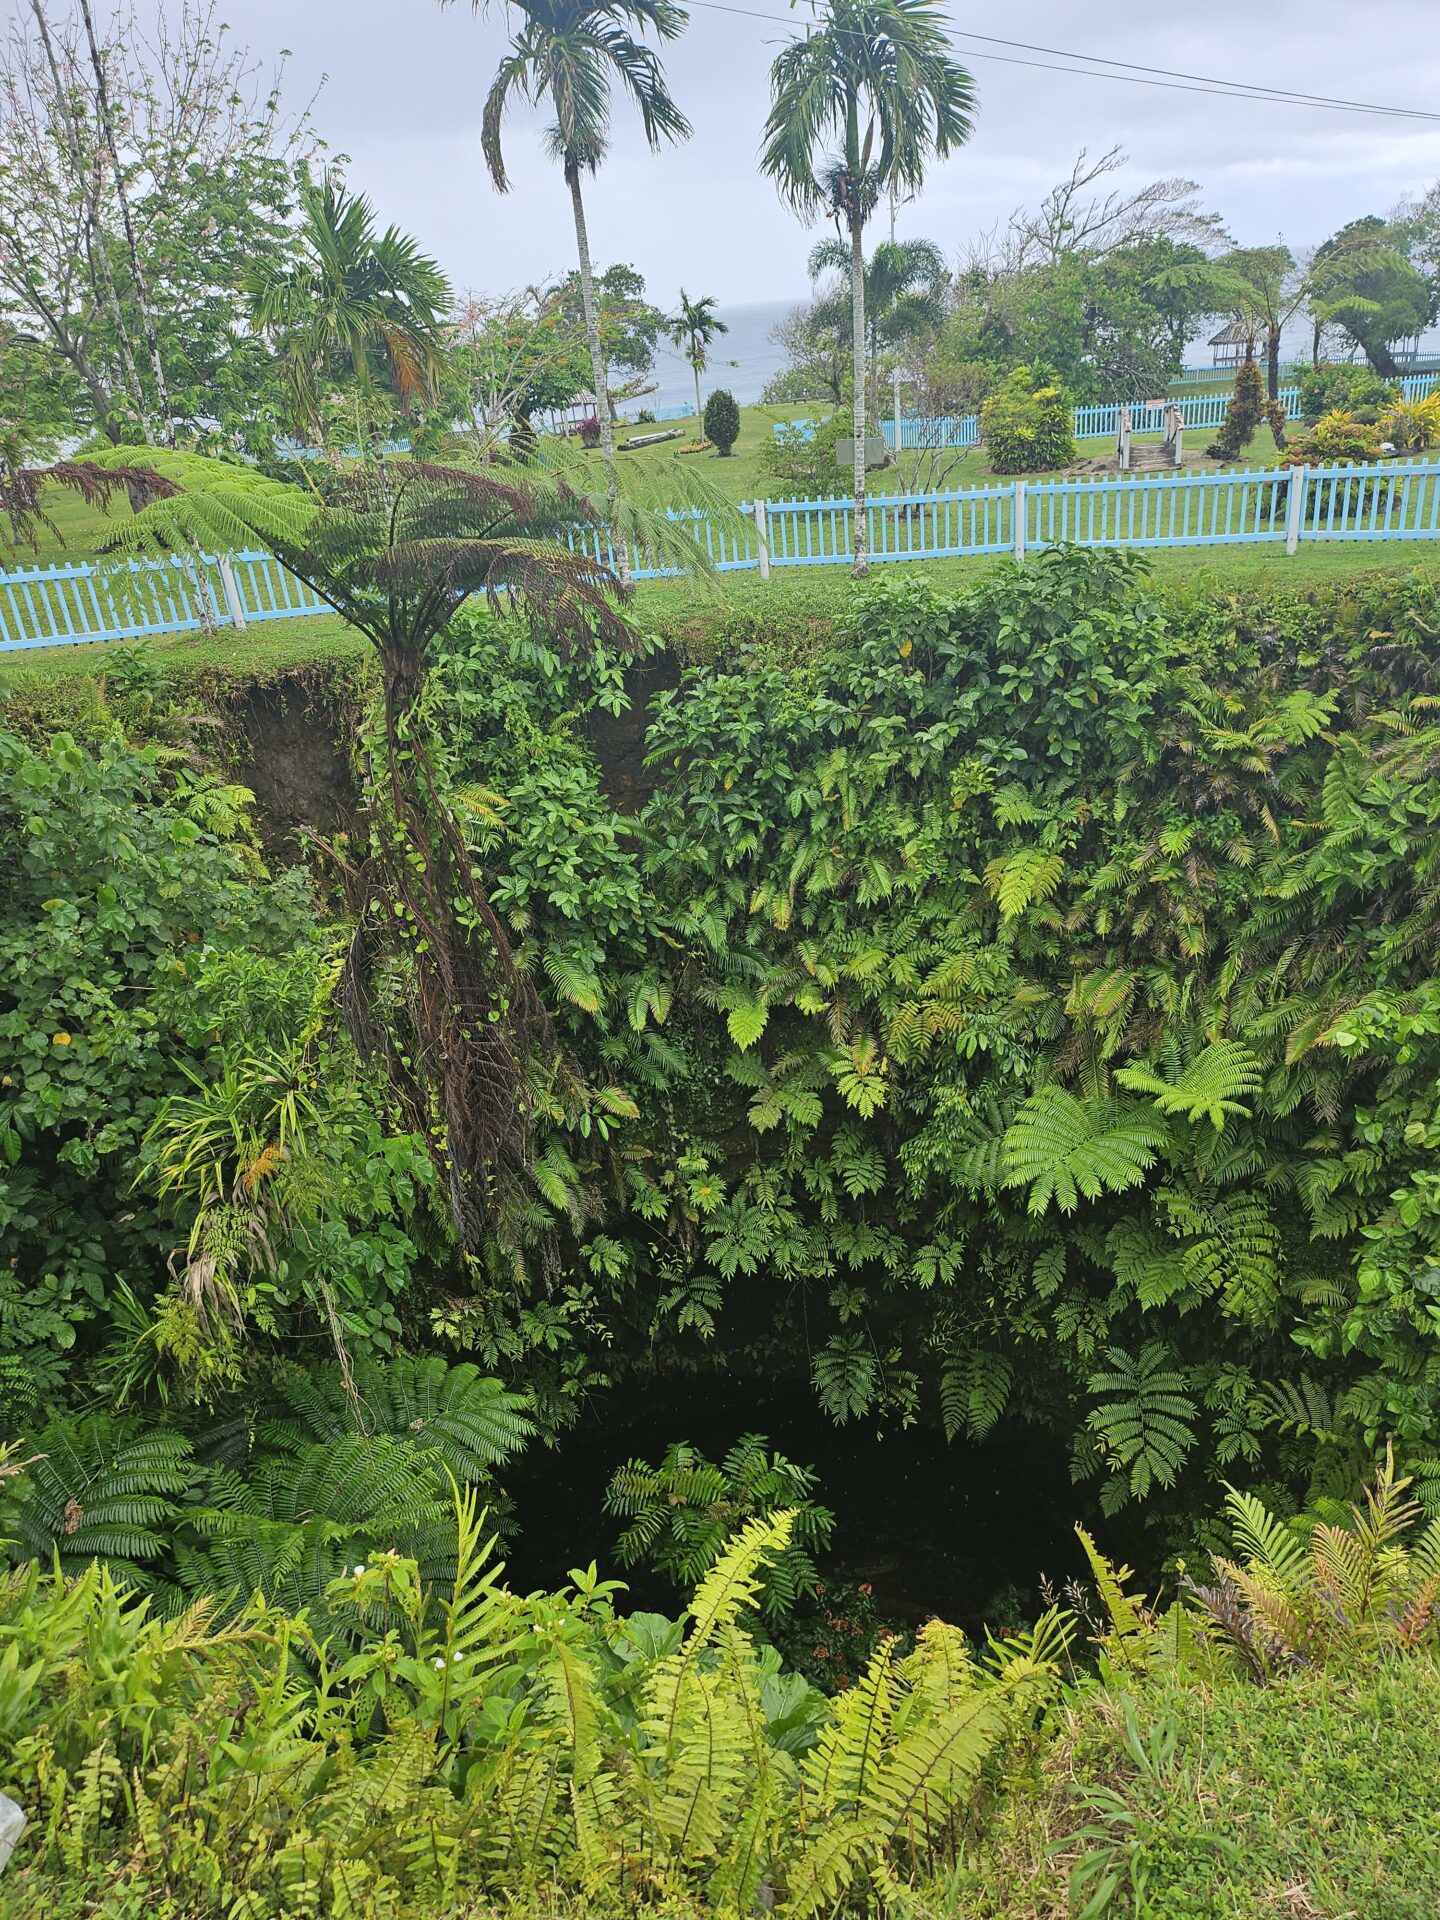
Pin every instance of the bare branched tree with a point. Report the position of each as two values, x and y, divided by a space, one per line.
106 129
1079 216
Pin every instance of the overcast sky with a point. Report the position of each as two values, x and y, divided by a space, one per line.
405 82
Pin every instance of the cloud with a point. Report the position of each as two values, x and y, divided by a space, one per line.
407 81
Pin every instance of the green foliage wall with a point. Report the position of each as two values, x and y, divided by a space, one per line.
164 1006
1029 1007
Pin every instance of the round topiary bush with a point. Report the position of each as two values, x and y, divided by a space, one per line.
722 421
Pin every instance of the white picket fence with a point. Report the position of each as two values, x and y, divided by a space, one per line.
1400 501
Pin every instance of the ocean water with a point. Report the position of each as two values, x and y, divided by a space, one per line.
742 359
745 358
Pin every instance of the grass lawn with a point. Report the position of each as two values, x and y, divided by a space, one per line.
1313 1799
682 608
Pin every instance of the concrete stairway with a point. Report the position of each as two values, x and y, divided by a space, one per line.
1151 456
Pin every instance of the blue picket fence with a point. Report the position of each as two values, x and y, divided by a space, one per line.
85 601
105 600
1200 410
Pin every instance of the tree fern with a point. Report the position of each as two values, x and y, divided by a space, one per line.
99 1487
1145 1430
1213 1087
1063 1148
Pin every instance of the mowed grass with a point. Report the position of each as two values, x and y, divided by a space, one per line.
683 609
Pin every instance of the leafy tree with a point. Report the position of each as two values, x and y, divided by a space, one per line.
1363 283
819 356
128 225
568 54
507 361
722 421
630 327
353 298
694 327
876 76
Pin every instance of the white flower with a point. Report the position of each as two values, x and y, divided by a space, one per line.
438 1661
357 1571
457 1656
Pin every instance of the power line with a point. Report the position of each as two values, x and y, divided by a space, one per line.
1253 89
1139 77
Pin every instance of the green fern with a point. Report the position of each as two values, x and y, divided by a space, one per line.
1062 1148
99 1487
1020 880
974 1390
1213 1087
1145 1430
472 1423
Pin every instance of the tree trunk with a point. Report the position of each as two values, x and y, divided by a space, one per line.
597 367
1272 362
142 287
1382 361
699 416
857 324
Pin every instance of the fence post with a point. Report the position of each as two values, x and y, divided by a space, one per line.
762 536
1017 514
232 592
1295 507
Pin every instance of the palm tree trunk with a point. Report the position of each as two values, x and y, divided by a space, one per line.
597 367
857 322
699 418
137 272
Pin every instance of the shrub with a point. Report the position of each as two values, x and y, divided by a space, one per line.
542 1742
1346 386
645 418
1026 426
1336 435
722 421
1249 405
1413 424
801 463
589 432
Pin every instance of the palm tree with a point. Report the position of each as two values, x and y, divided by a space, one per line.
357 298
569 53
693 328
875 76
905 286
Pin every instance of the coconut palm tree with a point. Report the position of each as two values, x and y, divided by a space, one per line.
693 329
359 298
569 53
858 106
